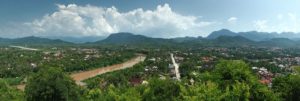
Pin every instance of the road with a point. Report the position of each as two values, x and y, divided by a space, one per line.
80 76
177 73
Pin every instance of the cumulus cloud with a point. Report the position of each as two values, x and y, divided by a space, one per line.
261 25
289 22
232 20
74 20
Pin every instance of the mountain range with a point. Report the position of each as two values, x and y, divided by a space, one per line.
222 37
254 35
83 39
218 38
32 40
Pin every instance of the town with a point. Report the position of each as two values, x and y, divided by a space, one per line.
186 66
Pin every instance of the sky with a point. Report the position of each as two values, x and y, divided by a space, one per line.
153 18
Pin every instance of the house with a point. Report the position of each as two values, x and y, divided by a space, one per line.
46 53
57 54
54 48
265 81
177 58
192 81
265 76
172 69
254 68
206 59
152 59
135 81
33 65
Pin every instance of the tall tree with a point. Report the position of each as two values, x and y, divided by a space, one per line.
51 84
161 90
207 91
233 71
288 87
237 80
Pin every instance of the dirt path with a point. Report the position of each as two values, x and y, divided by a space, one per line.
78 77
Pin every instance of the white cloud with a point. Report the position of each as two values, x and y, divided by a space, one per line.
289 22
74 20
232 20
261 25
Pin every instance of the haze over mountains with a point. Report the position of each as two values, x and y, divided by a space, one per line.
221 37
254 35
83 39
31 40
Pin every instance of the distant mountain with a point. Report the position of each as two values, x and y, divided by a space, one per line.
132 39
257 36
229 39
31 40
222 32
232 40
82 39
280 42
183 39
4 40
124 38
254 35
220 38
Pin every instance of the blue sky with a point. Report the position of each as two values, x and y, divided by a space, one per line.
155 18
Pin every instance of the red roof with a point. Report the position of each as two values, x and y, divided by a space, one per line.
265 81
135 81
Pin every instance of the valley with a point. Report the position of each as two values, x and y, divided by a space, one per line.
125 64
149 50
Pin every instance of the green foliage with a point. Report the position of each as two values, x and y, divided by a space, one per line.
113 94
206 76
296 69
15 63
230 80
8 93
186 67
130 94
233 71
260 92
93 94
213 80
208 91
18 63
156 90
51 84
161 90
288 87
237 92
13 81
239 83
